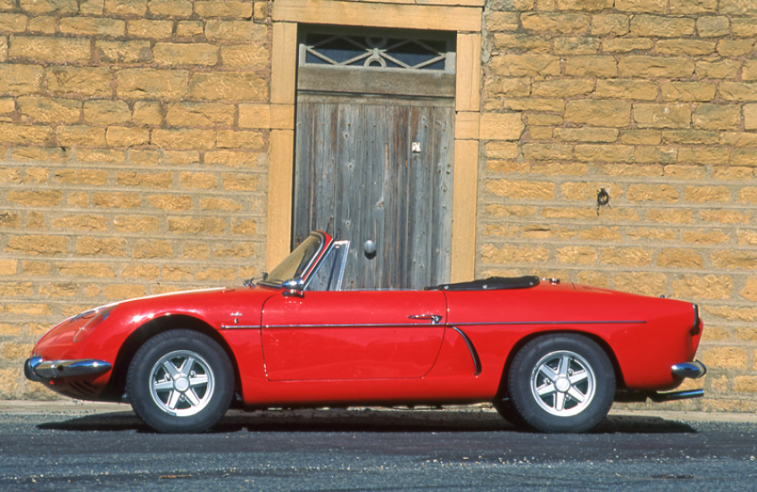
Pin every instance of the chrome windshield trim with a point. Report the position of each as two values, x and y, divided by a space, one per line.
471 349
53 369
307 270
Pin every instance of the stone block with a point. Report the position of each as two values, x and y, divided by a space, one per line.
577 255
586 135
547 152
644 283
501 126
150 29
684 47
171 203
92 177
703 155
144 179
641 137
148 83
116 200
187 114
193 226
642 66
123 291
245 56
717 117
598 112
149 113
525 65
49 49
124 51
231 139
655 154
555 22
184 138
626 45
627 89
534 190
228 8
562 88
170 8
36 245
744 27
591 66
662 26
120 136
240 182
82 81
80 135
33 134
652 193
502 21
734 48
231 86
198 181
724 357
49 6
151 249
42 25
693 6
713 26
750 116
13 22
236 31
48 110
189 28
604 24
662 115
510 41
604 153
688 91
738 7
584 5
744 157
490 253
576 46
628 257
92 26
724 69
185 54
106 112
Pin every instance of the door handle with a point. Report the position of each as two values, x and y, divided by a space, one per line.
435 318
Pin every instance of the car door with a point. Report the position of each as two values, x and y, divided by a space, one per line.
328 335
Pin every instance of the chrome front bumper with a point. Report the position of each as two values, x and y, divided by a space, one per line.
38 370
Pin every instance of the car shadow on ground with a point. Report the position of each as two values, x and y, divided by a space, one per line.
341 420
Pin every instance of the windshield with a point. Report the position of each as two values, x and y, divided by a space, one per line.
296 264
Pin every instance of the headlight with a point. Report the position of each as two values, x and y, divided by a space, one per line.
96 317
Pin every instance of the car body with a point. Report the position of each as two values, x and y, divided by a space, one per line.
550 355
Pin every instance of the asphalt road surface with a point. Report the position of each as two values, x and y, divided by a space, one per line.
366 450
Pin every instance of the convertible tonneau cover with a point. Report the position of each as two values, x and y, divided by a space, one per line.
492 283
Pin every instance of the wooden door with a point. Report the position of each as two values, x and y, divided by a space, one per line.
374 153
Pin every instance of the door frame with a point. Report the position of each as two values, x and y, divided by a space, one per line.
465 20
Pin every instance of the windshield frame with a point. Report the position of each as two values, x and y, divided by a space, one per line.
306 272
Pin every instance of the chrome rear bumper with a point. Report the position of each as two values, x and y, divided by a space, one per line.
35 369
691 370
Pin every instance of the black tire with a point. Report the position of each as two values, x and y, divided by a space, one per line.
561 383
508 411
180 381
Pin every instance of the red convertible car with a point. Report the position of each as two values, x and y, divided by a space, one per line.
550 356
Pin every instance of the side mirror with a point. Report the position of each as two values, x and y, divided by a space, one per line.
294 288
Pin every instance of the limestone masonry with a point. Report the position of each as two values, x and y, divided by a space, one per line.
135 140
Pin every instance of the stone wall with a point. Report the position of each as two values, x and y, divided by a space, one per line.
654 101
133 156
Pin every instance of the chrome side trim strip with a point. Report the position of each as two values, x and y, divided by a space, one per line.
483 323
358 325
472 349
575 322
240 327
53 369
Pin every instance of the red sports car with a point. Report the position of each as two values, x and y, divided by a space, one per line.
550 356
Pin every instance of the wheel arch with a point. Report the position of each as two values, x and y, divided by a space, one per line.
620 382
115 391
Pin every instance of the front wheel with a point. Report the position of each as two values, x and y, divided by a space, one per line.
561 383
180 381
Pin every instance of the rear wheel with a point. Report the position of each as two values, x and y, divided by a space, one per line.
180 381
561 383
